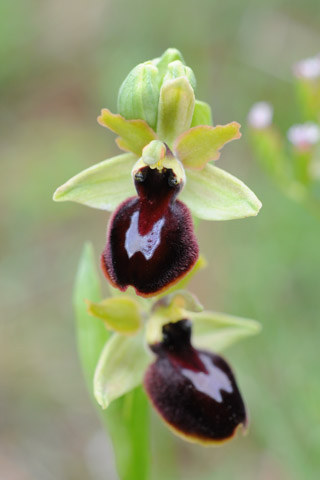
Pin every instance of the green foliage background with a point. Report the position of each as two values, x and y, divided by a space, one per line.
61 61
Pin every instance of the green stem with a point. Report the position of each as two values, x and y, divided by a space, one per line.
127 418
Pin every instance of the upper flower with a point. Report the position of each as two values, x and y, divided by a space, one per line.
150 241
157 103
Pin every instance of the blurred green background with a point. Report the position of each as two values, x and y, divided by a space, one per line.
63 60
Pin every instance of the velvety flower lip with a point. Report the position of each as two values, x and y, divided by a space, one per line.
150 239
194 391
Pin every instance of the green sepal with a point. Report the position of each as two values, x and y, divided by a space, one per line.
139 94
120 314
133 134
102 186
120 369
176 107
202 114
200 145
214 194
215 331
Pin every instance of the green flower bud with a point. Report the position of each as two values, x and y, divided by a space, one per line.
169 56
177 69
139 94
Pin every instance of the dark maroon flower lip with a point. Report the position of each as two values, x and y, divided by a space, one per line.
194 391
150 241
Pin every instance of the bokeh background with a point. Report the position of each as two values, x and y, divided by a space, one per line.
61 61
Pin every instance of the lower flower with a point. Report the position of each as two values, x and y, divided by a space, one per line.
194 391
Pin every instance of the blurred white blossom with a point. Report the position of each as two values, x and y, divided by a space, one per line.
304 135
260 115
308 68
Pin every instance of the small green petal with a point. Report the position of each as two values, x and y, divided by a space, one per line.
102 186
176 107
214 194
133 134
120 368
202 114
217 331
120 314
200 145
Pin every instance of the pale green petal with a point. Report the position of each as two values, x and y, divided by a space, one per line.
104 185
200 145
176 107
120 368
216 331
201 114
133 134
214 194
120 314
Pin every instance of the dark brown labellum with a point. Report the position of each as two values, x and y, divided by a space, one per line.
193 390
150 240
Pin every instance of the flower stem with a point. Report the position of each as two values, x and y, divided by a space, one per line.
127 418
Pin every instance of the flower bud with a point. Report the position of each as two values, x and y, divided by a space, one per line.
169 56
177 69
139 94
